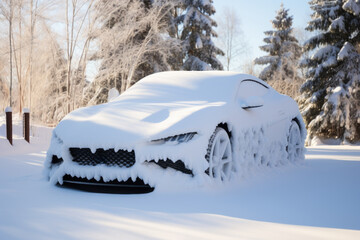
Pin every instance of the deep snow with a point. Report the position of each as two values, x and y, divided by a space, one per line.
318 199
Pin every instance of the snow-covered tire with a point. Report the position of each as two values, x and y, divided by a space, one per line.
294 147
219 156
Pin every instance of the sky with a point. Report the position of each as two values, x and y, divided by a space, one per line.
255 16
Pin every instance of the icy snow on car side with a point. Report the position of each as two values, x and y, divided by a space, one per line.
202 125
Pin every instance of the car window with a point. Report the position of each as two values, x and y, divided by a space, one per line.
250 88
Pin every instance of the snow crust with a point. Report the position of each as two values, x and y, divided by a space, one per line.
345 51
335 95
168 104
197 64
199 43
8 109
352 6
325 52
266 59
332 11
338 25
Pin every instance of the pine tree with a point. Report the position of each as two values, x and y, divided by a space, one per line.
330 100
197 30
282 48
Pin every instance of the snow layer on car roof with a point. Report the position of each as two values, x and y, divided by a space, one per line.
210 86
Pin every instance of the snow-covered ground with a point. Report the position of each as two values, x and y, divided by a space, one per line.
319 199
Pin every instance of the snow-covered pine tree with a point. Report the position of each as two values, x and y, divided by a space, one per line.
282 48
330 100
197 30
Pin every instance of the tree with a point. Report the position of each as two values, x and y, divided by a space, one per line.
76 15
4 94
197 30
282 48
177 55
25 14
330 100
49 86
18 55
38 83
7 10
33 20
231 38
132 44
302 36
137 38
4 89
248 67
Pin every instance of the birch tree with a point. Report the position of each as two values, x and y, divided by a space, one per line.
76 15
7 10
231 38
49 79
4 93
33 18
131 44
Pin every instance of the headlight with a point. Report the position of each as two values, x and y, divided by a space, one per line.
177 139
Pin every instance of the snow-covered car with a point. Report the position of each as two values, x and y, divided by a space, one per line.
209 126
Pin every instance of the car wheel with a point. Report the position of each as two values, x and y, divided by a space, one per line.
219 155
294 147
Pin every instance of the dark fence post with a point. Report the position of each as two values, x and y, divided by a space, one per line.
26 124
9 136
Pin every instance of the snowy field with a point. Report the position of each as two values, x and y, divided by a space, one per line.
319 199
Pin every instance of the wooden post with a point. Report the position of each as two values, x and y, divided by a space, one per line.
26 124
9 136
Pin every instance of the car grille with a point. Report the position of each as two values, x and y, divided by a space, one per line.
178 165
121 158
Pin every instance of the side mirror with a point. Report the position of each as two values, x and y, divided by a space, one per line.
251 102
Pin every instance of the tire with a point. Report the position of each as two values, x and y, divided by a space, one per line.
219 156
294 147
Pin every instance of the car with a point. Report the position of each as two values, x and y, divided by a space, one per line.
209 126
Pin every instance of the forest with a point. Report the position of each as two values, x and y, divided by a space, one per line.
57 56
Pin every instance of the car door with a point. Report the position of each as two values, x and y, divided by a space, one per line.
251 96
261 109
251 123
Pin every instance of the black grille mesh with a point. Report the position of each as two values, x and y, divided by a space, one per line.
121 158
178 165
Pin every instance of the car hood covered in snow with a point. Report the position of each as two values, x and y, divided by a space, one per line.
158 106
118 123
